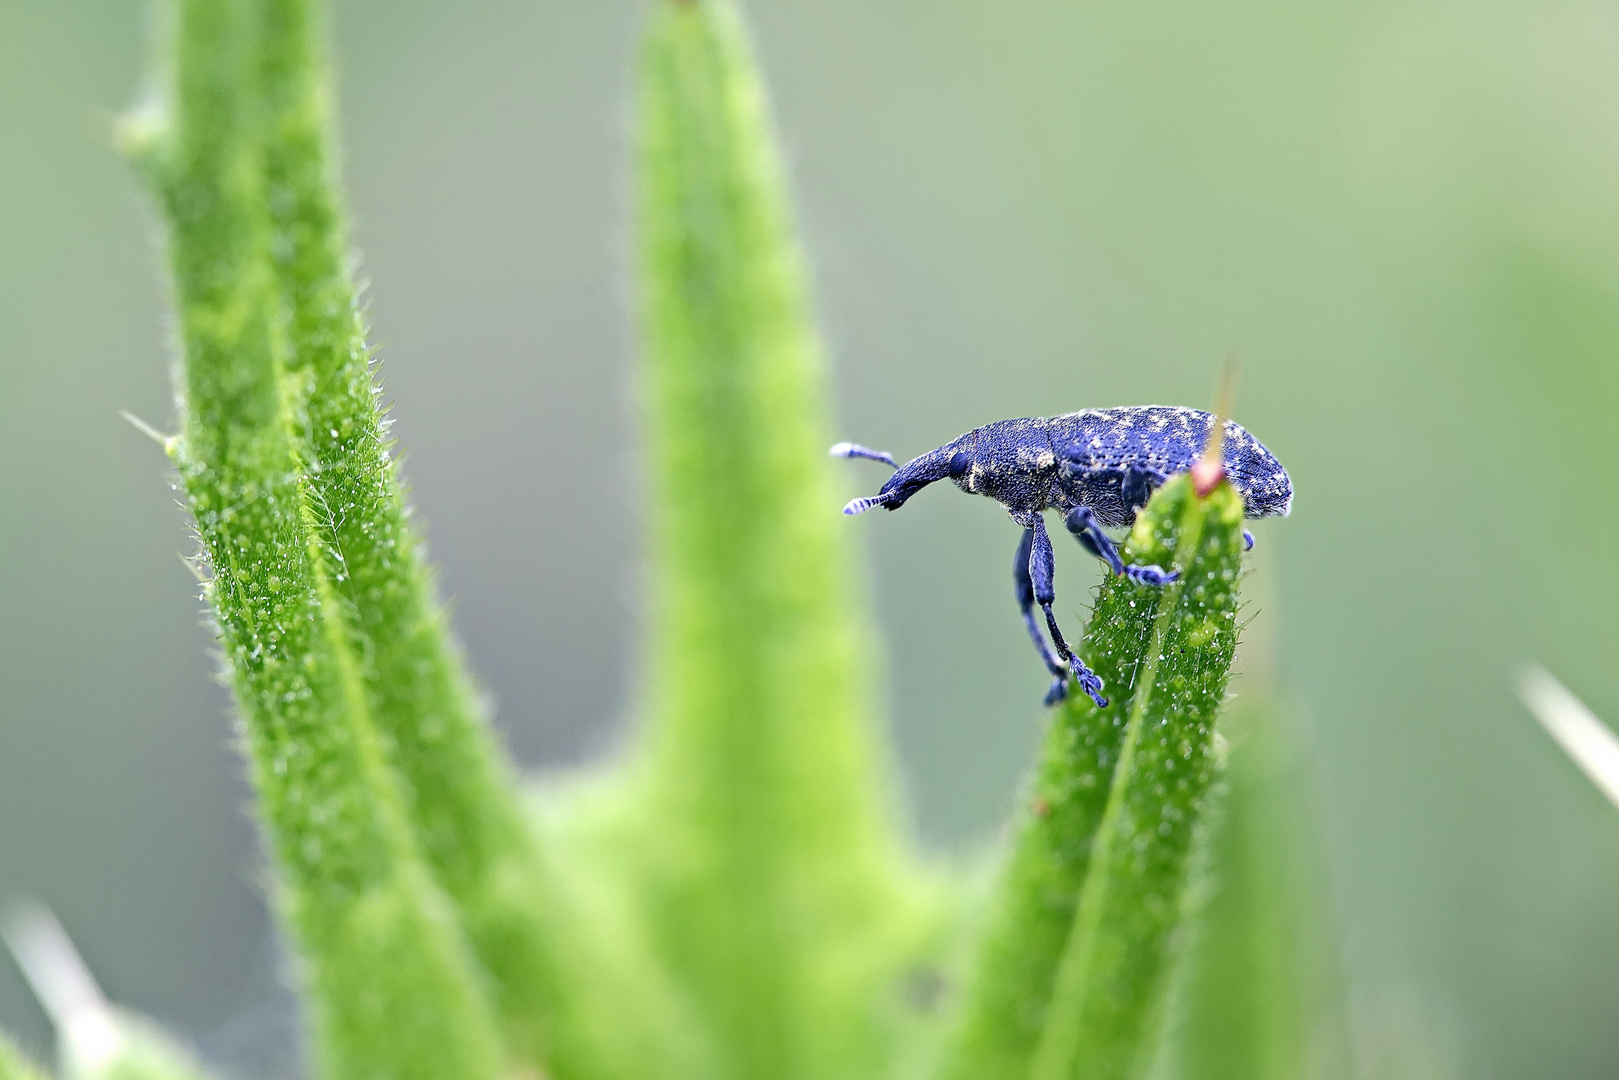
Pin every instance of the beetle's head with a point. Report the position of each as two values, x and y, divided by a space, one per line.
950 461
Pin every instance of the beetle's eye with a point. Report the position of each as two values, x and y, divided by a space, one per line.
958 464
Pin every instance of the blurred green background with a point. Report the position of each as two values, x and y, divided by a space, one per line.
1402 215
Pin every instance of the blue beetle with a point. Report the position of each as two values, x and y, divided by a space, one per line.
1096 467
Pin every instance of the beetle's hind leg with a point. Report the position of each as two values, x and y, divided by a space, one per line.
1138 484
1034 572
1088 531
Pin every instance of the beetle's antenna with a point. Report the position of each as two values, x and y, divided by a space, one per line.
855 450
861 505
1210 468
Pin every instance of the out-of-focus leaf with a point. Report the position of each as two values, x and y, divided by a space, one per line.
776 885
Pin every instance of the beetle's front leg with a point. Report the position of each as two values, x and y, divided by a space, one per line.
1088 531
1025 600
1042 571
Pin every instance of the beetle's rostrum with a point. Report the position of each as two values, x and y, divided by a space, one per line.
1096 467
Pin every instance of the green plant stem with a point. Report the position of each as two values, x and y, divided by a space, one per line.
392 991
1109 986
777 889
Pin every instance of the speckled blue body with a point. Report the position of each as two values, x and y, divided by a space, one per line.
1097 467
1109 460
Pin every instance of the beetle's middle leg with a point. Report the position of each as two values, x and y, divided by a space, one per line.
1035 572
1088 531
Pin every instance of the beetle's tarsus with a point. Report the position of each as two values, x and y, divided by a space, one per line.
1151 575
1089 682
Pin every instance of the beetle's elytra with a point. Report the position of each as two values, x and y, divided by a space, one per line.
1097 467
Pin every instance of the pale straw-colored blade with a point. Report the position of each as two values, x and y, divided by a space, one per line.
85 1023
1592 745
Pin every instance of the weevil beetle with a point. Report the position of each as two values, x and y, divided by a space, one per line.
1096 467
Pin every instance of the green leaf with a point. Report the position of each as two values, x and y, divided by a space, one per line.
1032 914
391 987
775 882
458 789
1109 986
563 1001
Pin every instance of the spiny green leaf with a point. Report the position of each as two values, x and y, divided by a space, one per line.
564 1004
776 884
1109 985
1009 983
457 786
391 989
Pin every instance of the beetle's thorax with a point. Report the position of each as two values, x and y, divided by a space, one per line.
1012 463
